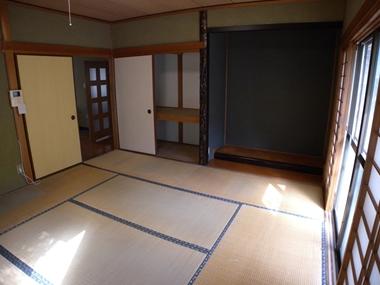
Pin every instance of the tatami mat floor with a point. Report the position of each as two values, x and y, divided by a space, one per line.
144 220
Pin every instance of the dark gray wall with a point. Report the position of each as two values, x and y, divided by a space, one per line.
217 72
279 88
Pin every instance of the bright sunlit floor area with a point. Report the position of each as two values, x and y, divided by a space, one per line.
127 218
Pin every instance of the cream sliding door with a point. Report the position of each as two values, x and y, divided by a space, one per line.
135 110
48 88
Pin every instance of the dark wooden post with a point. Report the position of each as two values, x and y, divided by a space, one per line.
203 109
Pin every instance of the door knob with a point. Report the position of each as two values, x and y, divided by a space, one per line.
149 111
72 117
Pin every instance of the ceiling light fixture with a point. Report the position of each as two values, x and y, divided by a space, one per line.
69 4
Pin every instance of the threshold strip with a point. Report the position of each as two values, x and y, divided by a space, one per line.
142 228
205 194
204 262
23 266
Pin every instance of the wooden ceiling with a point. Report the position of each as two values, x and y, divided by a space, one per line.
116 10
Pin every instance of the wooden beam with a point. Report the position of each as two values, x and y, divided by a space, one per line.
210 7
158 49
180 93
53 49
365 21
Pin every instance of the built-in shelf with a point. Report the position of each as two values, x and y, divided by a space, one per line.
183 115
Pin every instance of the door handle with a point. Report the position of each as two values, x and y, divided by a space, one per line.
72 117
149 111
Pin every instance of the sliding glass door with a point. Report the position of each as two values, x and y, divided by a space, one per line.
362 105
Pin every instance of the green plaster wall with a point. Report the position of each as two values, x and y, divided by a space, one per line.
35 25
156 30
9 151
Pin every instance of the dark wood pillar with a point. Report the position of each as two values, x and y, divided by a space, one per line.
203 108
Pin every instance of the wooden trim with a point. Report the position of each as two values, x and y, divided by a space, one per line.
210 7
4 20
154 104
366 21
158 49
280 26
175 12
54 49
331 179
180 94
112 87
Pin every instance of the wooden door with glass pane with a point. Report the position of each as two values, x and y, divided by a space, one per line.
98 100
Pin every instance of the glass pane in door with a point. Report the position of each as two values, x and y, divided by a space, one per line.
344 184
92 74
362 89
370 109
355 193
102 72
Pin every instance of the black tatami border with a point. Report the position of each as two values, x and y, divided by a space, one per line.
208 252
215 245
141 228
203 194
23 266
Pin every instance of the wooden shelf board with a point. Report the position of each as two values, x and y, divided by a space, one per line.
297 162
184 115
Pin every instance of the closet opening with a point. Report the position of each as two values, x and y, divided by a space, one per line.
176 99
92 91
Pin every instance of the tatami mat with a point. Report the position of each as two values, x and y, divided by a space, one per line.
265 248
10 274
21 204
298 197
72 245
185 216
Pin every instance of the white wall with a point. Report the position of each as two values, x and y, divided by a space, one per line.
191 94
166 93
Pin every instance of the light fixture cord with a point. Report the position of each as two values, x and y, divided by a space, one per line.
69 4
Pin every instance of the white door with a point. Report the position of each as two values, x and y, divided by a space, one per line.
135 109
48 87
